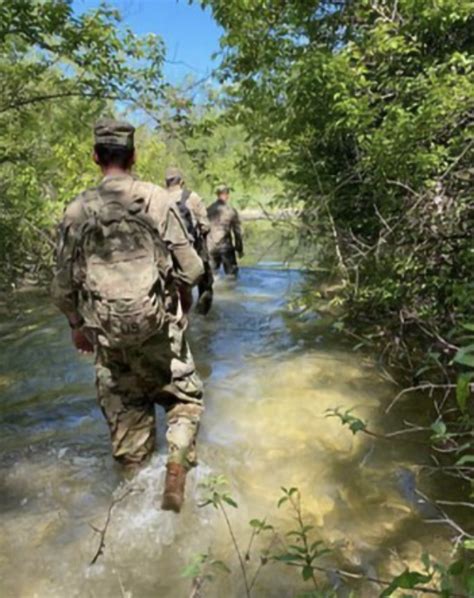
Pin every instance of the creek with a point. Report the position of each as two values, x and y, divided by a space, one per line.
270 376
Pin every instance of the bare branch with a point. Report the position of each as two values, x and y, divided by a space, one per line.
102 532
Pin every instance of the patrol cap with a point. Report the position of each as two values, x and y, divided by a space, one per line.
223 189
173 173
108 131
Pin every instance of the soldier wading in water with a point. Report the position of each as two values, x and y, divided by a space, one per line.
194 215
123 255
225 238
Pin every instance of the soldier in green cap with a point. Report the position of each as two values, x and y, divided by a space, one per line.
123 253
194 214
225 238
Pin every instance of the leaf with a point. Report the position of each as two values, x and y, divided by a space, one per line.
470 584
267 527
289 558
465 459
439 428
282 500
194 568
464 359
406 581
465 356
463 390
230 501
307 572
357 426
468 544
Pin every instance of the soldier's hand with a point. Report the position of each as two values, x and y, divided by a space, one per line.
241 254
81 342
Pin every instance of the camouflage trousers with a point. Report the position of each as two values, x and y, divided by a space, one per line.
224 256
130 382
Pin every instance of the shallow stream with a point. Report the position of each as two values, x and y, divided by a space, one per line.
269 381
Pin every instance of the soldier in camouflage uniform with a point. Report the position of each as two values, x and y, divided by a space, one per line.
194 214
131 379
225 238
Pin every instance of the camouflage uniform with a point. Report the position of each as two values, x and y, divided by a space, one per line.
129 381
201 222
225 224
195 205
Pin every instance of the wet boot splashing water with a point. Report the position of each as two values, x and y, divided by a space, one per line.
173 495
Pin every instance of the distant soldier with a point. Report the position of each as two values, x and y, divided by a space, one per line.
225 238
194 214
123 252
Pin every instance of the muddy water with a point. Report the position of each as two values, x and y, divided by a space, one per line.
269 380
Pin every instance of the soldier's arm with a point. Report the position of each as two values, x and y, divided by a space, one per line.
196 205
188 265
63 291
237 232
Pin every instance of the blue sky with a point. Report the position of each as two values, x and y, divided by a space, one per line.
190 34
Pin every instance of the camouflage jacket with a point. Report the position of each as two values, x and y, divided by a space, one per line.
226 231
188 267
195 205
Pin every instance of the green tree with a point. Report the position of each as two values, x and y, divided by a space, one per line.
365 111
58 73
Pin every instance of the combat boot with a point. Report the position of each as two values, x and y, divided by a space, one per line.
173 496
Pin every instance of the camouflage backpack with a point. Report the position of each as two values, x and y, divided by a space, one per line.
121 267
186 214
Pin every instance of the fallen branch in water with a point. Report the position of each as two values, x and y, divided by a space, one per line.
102 532
445 519
455 503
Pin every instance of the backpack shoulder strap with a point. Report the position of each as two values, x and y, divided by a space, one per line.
185 195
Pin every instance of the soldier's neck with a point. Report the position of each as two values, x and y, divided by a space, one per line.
115 171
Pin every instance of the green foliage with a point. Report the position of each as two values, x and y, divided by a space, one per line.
49 52
299 549
452 578
408 580
364 110
215 493
303 553
354 423
204 567
207 147
58 72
